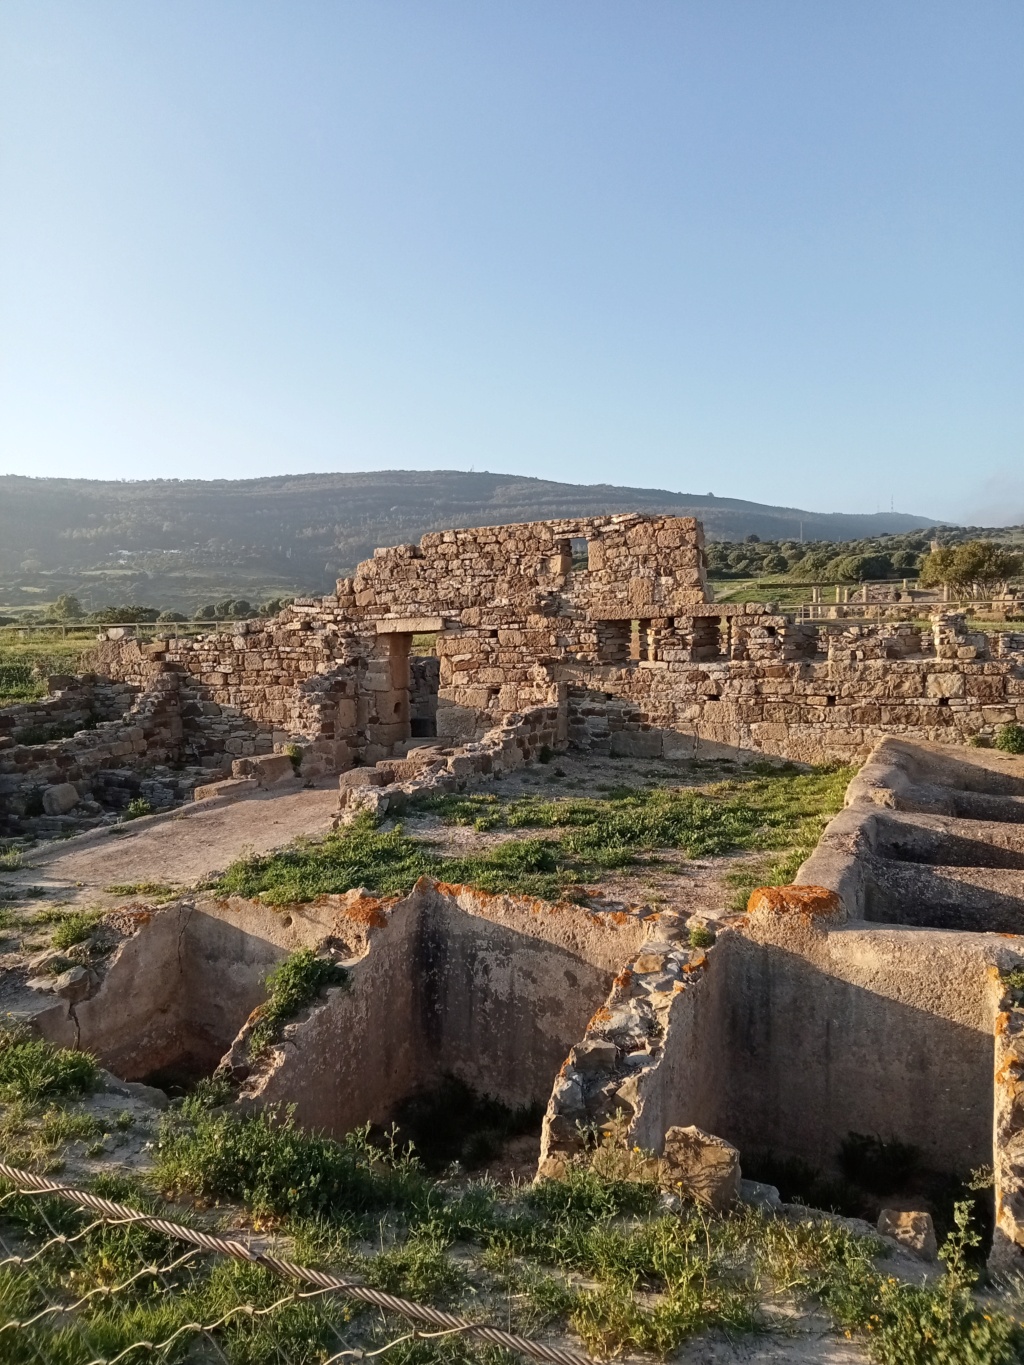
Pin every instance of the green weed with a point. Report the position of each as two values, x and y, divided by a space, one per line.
781 809
138 807
293 984
32 1069
157 891
10 859
275 1168
75 928
420 1267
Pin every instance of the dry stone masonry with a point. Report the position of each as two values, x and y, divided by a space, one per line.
606 620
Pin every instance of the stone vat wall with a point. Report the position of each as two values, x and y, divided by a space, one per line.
491 989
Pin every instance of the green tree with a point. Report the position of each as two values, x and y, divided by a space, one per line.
126 615
980 565
68 608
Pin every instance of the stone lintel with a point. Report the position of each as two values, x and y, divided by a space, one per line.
410 625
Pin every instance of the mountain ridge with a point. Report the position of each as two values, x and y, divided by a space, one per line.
301 531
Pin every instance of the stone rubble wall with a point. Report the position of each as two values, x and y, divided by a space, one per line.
391 785
49 789
74 703
626 645
804 691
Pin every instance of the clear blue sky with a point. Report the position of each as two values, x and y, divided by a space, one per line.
770 249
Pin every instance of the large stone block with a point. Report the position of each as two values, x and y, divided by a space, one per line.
701 1166
59 799
637 744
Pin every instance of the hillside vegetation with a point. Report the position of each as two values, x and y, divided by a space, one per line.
177 544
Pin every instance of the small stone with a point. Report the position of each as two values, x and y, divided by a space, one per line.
596 1054
74 985
702 1166
913 1229
759 1195
135 1090
649 962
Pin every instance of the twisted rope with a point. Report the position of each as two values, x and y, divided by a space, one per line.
27 1183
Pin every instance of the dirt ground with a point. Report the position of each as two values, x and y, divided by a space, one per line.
666 880
195 842
180 850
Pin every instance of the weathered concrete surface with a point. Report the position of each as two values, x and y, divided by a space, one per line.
181 849
491 989
181 983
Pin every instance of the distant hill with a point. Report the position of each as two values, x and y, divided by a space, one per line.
170 541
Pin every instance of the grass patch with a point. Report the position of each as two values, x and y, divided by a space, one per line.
25 665
10 859
781 809
32 1069
75 928
292 985
587 1254
158 891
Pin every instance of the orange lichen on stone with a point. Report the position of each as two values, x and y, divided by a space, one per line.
802 900
368 911
1002 1022
624 980
600 1016
697 965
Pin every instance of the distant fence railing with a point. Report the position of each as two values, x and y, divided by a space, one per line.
97 629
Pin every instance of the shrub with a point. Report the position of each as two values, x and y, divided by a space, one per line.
32 1069
125 615
453 1122
1010 738
278 1169
701 936
293 984
137 808
76 928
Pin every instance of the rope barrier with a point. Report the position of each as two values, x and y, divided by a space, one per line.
28 1183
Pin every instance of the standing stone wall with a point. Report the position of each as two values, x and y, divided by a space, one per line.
607 619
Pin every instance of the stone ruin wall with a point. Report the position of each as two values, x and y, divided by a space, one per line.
642 662
606 618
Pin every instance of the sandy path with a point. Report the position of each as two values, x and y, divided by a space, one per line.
189 846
